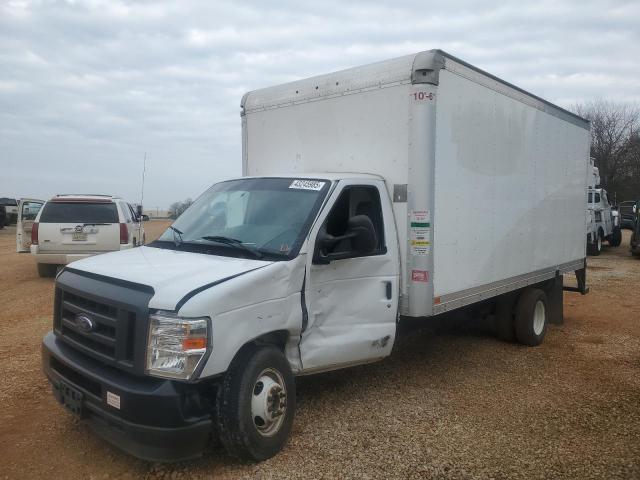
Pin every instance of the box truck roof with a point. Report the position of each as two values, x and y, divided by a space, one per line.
422 67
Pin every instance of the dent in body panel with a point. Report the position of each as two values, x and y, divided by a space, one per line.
251 305
350 320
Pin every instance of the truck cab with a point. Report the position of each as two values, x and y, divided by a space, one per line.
285 275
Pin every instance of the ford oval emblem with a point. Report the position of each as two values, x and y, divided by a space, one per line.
84 323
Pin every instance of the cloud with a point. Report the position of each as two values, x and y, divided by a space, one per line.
86 87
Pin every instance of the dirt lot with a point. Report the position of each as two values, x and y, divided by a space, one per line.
454 404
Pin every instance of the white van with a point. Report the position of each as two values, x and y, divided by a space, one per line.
71 227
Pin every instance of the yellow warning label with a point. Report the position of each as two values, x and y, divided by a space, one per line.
420 243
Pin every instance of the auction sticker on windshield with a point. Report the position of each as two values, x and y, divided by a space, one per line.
307 185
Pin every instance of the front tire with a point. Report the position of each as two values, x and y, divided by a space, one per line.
47 270
531 317
256 404
595 248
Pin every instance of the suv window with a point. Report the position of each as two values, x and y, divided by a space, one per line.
355 200
126 212
79 212
134 214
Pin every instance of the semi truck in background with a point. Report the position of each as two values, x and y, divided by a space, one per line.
414 188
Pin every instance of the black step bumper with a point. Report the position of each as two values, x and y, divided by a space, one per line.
158 420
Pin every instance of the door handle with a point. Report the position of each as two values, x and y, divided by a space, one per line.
388 290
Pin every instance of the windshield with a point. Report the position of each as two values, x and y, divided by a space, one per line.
252 217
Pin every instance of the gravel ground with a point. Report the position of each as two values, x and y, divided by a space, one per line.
448 404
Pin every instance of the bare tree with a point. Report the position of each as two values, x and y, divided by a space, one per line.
177 208
615 144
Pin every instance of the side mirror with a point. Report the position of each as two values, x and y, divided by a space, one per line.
139 210
360 232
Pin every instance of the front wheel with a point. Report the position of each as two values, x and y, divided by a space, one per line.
595 248
256 404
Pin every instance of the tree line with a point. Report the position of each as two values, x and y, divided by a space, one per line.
615 146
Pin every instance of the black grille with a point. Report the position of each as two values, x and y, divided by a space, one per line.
112 334
118 313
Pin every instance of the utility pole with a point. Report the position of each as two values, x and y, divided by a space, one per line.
144 169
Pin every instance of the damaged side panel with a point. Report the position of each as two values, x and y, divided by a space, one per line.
350 321
271 299
352 303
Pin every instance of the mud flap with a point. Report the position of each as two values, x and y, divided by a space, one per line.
555 300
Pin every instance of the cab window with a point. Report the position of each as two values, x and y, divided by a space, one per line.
355 200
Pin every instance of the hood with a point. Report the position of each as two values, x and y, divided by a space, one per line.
172 274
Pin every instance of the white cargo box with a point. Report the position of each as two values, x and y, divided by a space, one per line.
488 181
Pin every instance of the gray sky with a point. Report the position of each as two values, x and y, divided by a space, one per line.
86 87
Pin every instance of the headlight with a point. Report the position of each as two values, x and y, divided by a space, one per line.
176 345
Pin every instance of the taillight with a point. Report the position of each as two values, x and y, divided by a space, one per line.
124 234
34 234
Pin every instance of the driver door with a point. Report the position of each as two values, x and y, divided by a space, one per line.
352 302
28 209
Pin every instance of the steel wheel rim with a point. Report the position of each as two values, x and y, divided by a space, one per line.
539 317
599 243
268 402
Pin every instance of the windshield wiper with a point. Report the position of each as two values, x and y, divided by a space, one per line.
177 235
233 242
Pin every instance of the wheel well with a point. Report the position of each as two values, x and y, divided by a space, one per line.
277 338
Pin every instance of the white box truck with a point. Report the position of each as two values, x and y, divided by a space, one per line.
412 188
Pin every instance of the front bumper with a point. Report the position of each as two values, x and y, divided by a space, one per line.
158 420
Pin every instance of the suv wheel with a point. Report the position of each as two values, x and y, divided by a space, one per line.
256 404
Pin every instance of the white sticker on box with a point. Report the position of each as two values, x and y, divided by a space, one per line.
307 185
420 232
113 400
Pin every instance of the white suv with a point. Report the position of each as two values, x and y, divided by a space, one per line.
71 227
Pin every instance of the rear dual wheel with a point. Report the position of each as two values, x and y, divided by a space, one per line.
531 317
523 319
